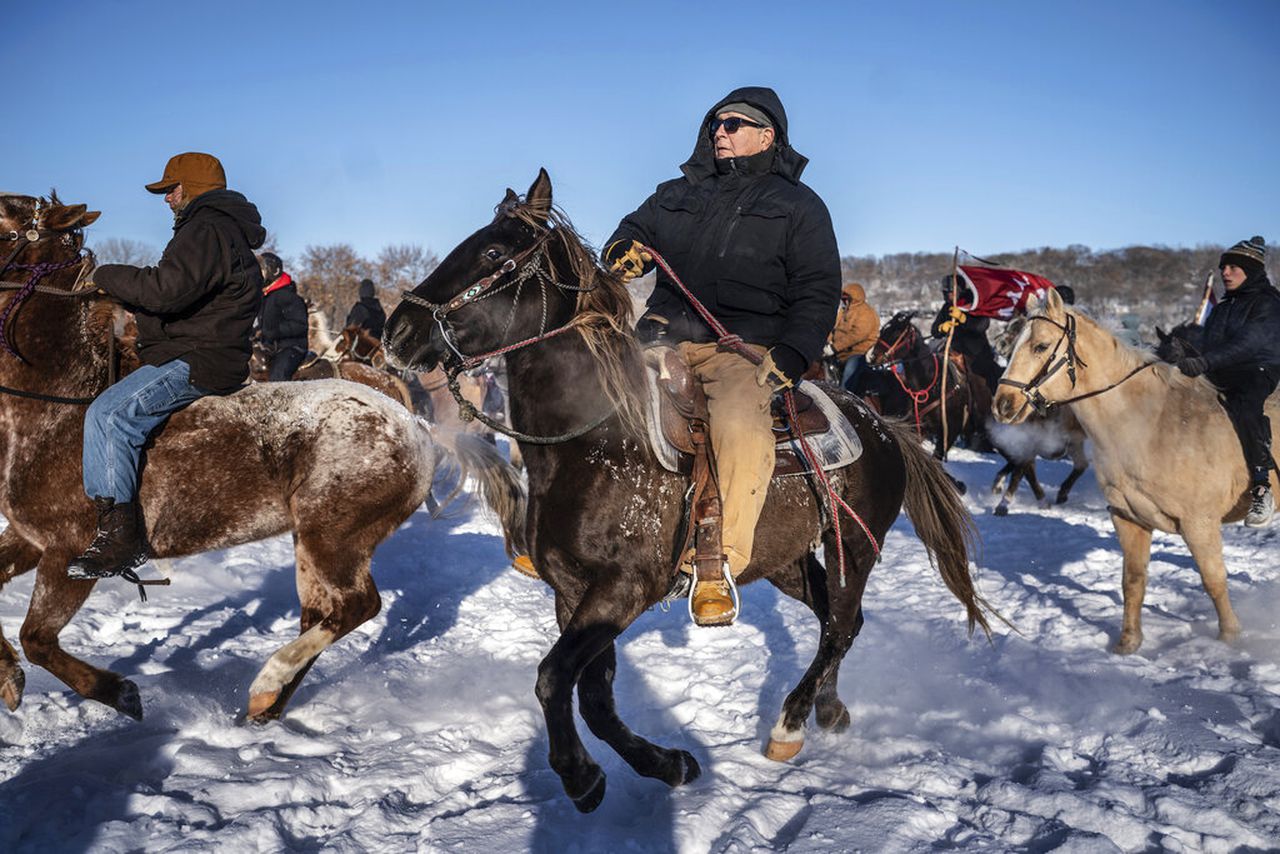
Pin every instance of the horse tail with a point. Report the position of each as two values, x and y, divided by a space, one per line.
500 483
942 523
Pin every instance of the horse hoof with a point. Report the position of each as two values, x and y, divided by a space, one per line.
1230 636
834 720
783 751
12 688
128 700
594 794
681 769
1127 645
260 704
1000 510
1062 498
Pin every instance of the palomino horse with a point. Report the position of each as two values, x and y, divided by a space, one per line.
1165 453
604 517
226 470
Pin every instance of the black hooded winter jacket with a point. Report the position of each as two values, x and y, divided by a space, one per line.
199 302
1243 331
751 242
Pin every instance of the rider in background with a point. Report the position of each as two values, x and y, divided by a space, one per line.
195 311
756 247
969 338
1241 356
856 330
282 320
367 313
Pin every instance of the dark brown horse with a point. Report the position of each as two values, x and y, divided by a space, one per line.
604 517
226 470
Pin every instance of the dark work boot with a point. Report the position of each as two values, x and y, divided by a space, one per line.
118 548
1261 506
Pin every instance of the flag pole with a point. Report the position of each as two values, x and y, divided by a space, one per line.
1204 300
946 350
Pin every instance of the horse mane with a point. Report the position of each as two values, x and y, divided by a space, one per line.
603 314
1199 388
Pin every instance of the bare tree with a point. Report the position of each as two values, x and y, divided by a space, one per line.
118 250
402 267
329 278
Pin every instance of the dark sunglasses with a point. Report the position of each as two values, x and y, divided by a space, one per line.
732 124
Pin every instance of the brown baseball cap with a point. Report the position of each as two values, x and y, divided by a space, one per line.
195 171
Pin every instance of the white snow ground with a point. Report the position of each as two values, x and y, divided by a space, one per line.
421 730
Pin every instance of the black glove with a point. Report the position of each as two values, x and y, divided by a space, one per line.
1193 366
627 258
781 369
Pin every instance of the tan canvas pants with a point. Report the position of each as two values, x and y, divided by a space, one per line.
741 437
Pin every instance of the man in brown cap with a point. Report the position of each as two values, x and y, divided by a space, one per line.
195 310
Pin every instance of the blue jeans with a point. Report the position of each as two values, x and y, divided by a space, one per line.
120 420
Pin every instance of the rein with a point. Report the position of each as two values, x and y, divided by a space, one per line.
1069 359
920 395
734 342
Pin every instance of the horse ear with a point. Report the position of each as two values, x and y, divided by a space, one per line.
539 196
1052 302
1161 334
66 217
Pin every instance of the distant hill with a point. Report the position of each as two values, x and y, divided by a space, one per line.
1159 284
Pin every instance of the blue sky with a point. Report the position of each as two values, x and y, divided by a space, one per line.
992 125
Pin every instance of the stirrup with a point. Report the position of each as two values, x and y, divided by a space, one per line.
733 594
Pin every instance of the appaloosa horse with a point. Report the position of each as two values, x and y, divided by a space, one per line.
226 470
604 517
1166 455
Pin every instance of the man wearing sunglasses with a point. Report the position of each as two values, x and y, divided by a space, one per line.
756 247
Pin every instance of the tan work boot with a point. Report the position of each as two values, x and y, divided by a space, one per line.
711 604
524 565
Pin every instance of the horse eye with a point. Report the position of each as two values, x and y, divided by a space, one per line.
492 253
1040 348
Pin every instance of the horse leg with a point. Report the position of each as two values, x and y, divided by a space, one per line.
17 556
608 606
1135 542
54 601
844 620
1029 472
1065 489
1204 539
595 702
807 582
337 595
1002 477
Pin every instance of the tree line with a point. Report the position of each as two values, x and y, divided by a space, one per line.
1156 284
328 277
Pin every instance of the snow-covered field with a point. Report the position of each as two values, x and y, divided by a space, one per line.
421 730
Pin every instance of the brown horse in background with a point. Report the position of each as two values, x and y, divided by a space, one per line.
226 470
605 518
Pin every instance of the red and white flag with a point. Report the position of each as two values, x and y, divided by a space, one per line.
997 292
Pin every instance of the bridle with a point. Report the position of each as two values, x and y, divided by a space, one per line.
30 236
897 342
1070 359
526 265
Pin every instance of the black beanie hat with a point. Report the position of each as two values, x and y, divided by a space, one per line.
1249 255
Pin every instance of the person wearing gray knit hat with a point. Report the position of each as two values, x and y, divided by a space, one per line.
1241 356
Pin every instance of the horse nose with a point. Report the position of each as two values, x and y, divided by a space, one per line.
1004 405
